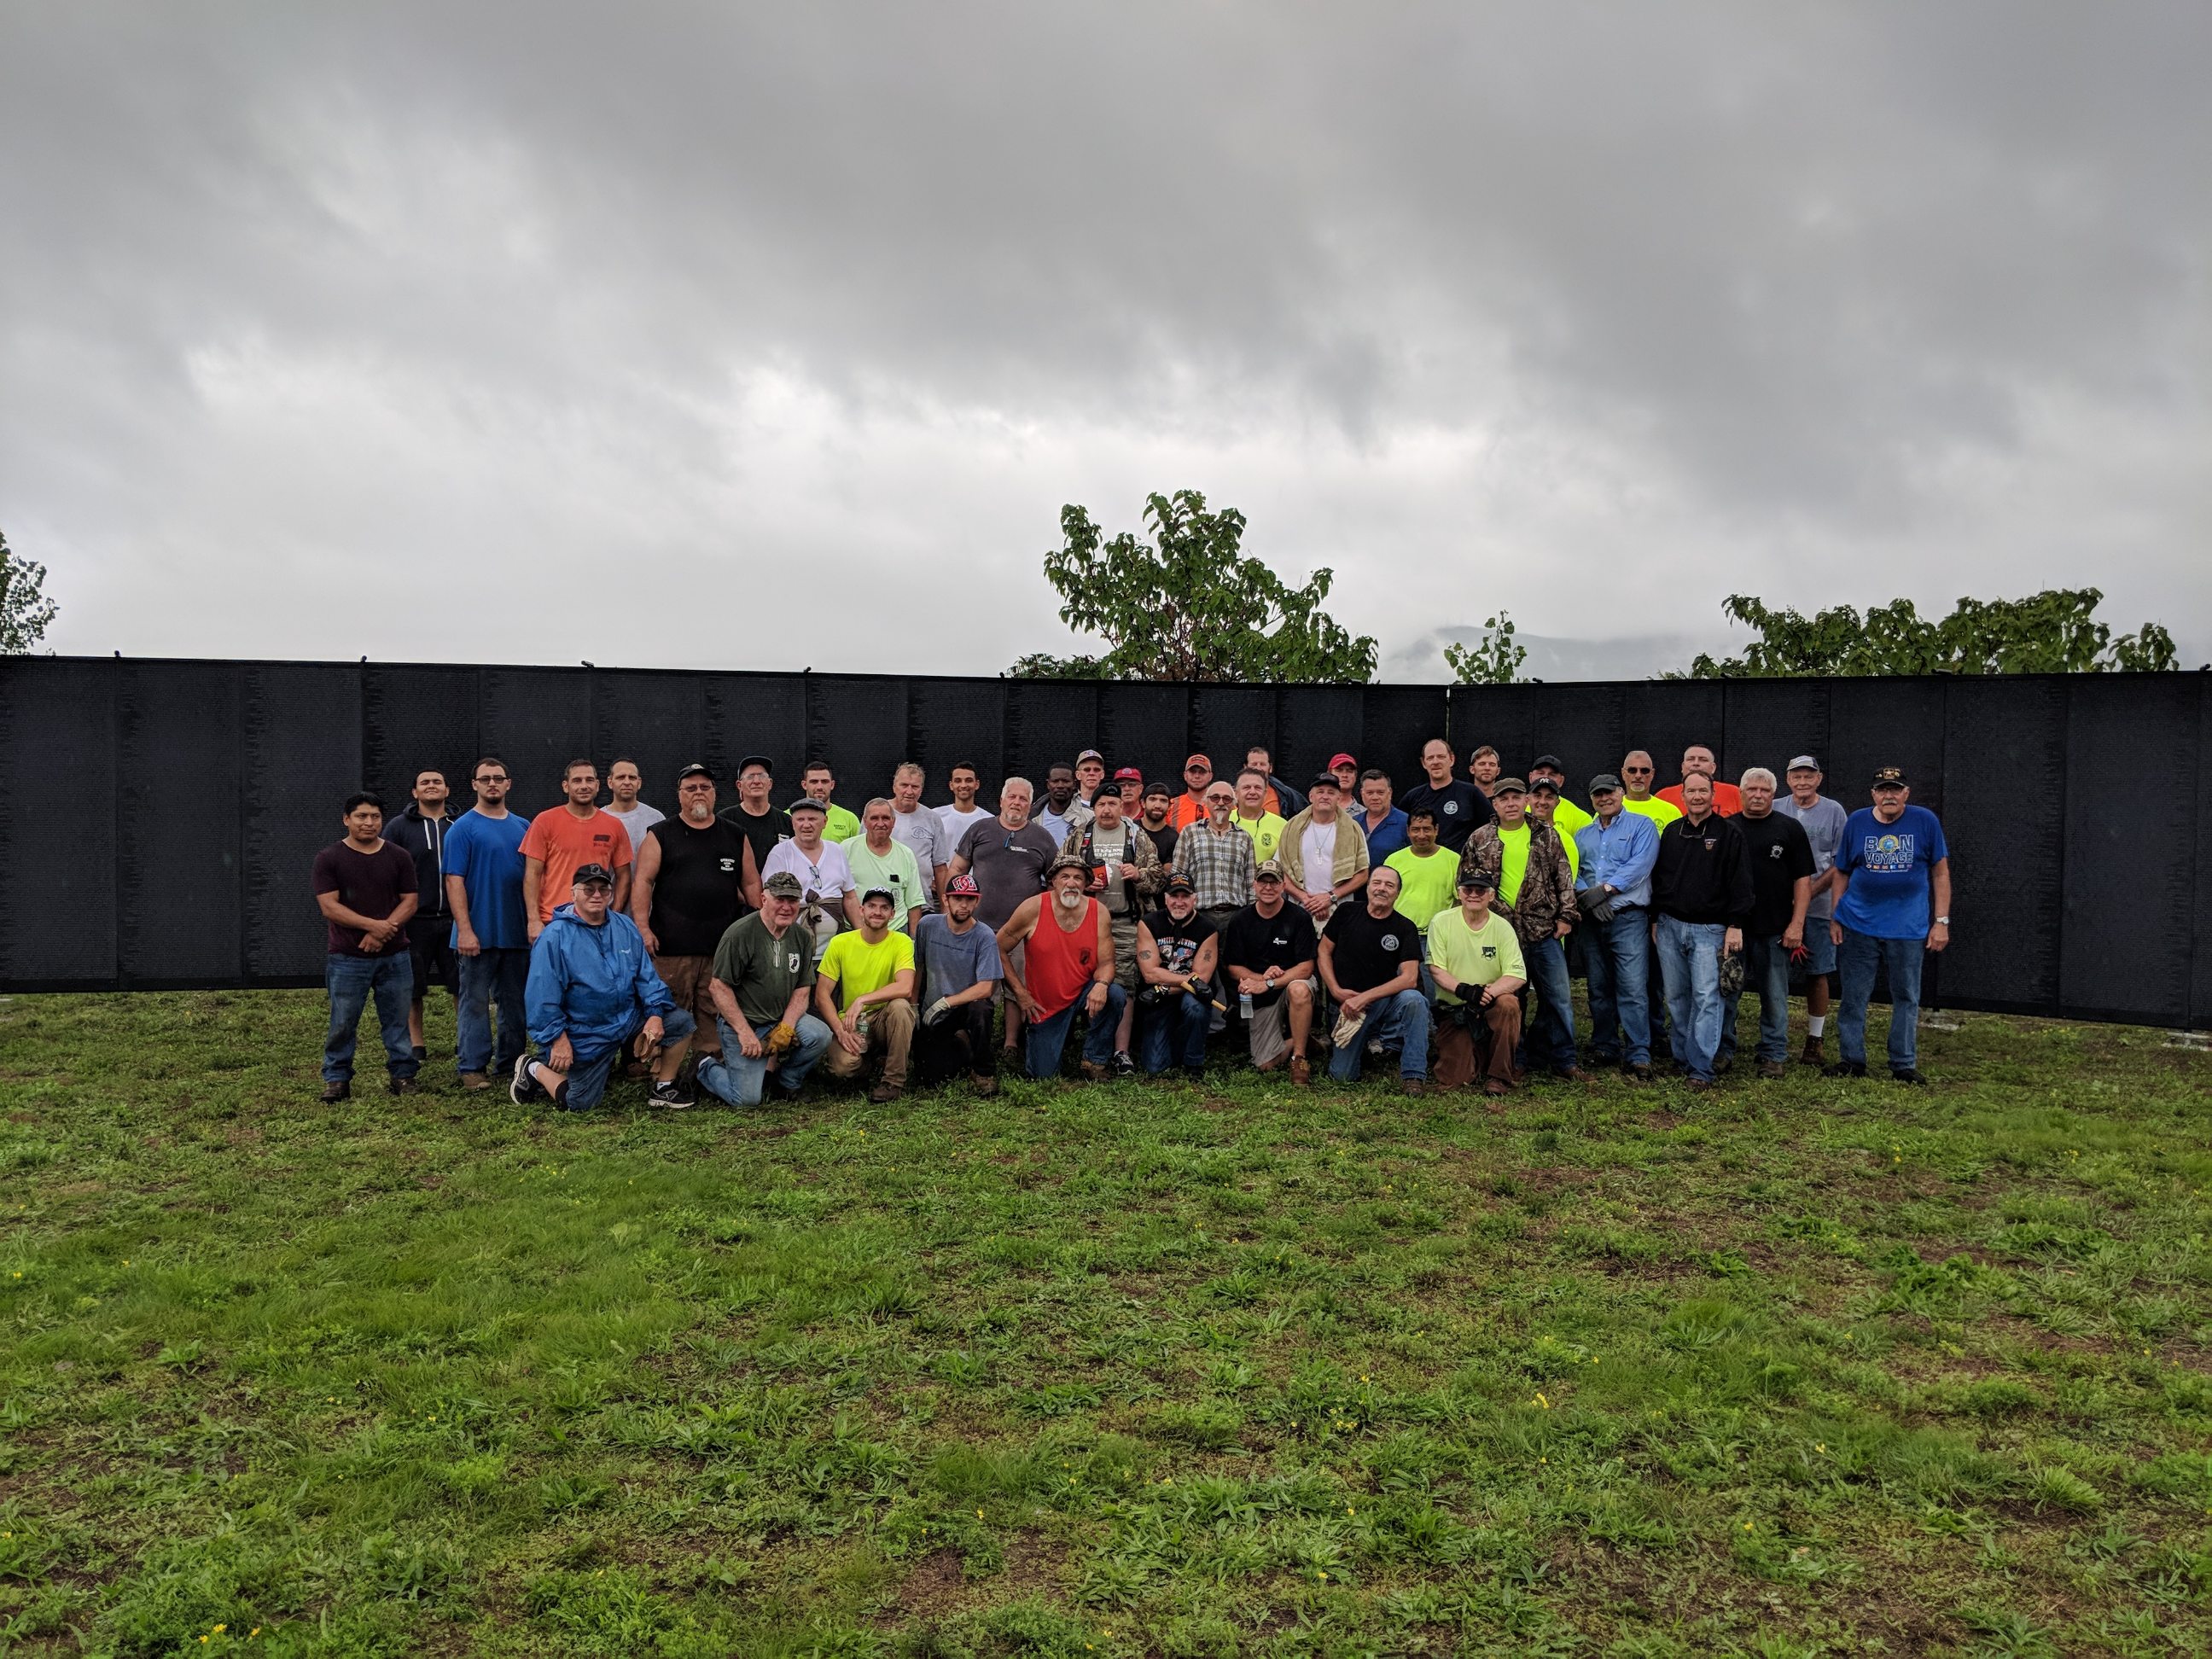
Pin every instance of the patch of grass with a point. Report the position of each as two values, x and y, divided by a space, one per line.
1799 1368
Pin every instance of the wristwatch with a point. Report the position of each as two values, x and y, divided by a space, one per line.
1942 922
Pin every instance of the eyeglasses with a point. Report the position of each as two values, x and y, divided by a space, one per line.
491 777
1638 771
1200 771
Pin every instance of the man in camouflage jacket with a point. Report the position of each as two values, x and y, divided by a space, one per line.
1541 907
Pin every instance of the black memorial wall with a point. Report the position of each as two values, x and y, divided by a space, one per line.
164 813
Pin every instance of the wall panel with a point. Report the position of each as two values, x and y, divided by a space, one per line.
1145 725
58 892
412 717
1313 722
2008 839
955 722
180 793
296 781
756 714
537 720
658 720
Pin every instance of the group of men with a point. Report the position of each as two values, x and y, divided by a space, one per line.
915 943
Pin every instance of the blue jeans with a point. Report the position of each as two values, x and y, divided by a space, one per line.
737 1081
1172 1030
588 1074
1690 958
1399 1021
488 976
351 980
1856 958
1766 971
1619 1010
1552 1041
1048 1040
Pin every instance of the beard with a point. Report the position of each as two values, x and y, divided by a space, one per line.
1067 901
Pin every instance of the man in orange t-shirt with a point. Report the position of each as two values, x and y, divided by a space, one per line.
1190 806
1697 761
561 840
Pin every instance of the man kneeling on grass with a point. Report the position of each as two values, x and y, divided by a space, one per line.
764 980
864 992
1371 961
1068 963
592 994
1475 955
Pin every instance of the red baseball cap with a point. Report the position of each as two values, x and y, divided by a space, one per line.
1335 761
1128 774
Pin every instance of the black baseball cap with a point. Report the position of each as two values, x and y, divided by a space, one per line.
806 804
1889 777
696 769
589 873
883 893
1551 761
761 761
1325 781
1156 789
1179 883
1478 880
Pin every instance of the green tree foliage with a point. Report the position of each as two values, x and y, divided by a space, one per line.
2054 632
1493 659
25 611
1188 604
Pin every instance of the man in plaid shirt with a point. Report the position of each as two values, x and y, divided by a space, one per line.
1218 858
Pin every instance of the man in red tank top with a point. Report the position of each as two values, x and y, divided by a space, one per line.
1069 962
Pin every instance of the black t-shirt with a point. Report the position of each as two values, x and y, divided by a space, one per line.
700 890
367 884
1256 942
1461 809
1178 941
1779 852
1163 841
764 832
1367 951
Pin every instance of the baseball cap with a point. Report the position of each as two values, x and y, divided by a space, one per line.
1340 759
1128 774
1064 861
1324 781
587 873
1179 883
1543 761
783 884
1207 761
883 893
1268 869
1151 789
1478 880
962 887
807 804
1889 777
1091 754
761 761
1509 786
1605 780
1803 763
696 769
1544 786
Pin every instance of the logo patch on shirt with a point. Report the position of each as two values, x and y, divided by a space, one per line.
1389 941
794 963
729 866
1490 950
1450 807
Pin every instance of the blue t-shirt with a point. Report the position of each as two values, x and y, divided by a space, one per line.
1887 865
950 961
1386 837
486 853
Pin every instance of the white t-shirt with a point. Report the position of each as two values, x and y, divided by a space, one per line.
957 823
828 877
638 819
1318 845
1113 847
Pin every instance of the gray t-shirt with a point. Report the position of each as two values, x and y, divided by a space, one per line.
1823 822
949 962
921 832
1008 865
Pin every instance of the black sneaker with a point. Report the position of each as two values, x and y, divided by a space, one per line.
405 1085
523 1089
1845 1068
1123 1066
1195 1073
1908 1075
672 1095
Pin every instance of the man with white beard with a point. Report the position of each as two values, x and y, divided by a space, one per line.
1067 946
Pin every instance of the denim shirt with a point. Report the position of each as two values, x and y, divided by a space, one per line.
1620 857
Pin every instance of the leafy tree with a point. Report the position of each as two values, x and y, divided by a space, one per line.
2054 632
25 611
1493 659
1188 604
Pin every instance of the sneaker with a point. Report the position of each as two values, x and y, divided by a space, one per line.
1845 1068
1908 1075
338 1091
883 1093
523 1089
1123 1066
672 1095
475 1082
1772 1068
1812 1055
1300 1069
405 1085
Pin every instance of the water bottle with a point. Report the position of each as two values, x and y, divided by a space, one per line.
1244 1006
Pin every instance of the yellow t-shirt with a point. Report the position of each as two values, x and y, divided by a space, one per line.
1475 957
856 967
1567 817
1266 833
1425 885
1661 813
1513 862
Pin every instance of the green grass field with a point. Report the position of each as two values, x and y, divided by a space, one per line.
1813 1368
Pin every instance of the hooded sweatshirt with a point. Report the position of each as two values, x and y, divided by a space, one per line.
597 984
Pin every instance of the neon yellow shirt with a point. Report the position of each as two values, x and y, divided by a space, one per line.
1472 957
1266 833
1425 885
1513 866
857 967
1661 813
1567 817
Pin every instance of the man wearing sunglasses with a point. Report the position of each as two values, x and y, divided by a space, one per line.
482 859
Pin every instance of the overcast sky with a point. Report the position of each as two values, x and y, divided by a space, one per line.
777 336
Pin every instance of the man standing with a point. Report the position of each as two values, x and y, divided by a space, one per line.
1483 767
1177 953
1346 770
964 813
366 889
1371 963
1218 858
1279 799
1324 856
1568 818
1461 809
1426 873
421 832
1268 952
695 877
1637 773
1546 805
1008 856
1523 861
1822 820
1124 872
624 782
1129 785
864 992
1067 951
818 864
1253 818
592 996
1383 824
1089 776
1061 813
1614 894
958 960
1190 806
1892 856
561 840
1781 887
1158 802
1701 892
820 783
764 980
921 832
483 855
1698 761
1475 957
878 860
755 814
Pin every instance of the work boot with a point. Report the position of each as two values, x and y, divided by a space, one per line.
405 1085
475 1082
1907 1074
883 1093
1772 1068
1414 1085
334 1091
1300 1069
983 1083
1638 1074
1572 1074
1812 1055
1093 1073
1845 1068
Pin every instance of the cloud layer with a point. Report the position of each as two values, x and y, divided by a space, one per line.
770 337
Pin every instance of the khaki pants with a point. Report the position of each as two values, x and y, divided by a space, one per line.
1455 1045
887 1029
1125 952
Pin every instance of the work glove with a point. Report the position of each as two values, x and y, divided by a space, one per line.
938 1010
782 1040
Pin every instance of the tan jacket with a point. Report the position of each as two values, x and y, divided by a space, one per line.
1351 850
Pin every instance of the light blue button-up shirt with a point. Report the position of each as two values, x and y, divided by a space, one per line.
1620 855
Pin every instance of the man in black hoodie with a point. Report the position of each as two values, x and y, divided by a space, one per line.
421 832
1701 889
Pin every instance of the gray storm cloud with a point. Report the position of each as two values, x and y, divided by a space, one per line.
672 334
